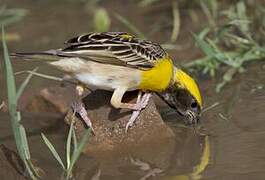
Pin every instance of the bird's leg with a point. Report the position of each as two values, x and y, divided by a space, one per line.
79 107
135 113
117 98
141 103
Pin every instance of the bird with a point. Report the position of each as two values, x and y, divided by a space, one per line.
121 62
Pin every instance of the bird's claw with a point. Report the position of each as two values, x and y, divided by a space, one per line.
141 103
134 116
79 108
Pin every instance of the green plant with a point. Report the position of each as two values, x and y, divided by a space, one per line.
129 25
71 156
15 117
210 9
230 43
176 22
101 20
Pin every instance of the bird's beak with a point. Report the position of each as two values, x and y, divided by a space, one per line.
191 117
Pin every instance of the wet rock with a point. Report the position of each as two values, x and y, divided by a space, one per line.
52 100
109 124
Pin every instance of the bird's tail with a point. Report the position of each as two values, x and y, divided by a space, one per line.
50 55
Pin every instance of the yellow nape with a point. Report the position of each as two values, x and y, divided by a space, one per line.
185 81
126 36
158 78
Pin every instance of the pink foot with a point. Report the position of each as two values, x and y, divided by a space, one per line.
79 108
141 103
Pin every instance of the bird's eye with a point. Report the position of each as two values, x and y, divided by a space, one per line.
194 104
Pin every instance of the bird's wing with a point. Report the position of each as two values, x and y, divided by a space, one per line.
117 48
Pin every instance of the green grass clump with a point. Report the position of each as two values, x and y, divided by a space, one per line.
234 36
231 43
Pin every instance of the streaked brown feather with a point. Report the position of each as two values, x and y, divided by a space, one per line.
116 48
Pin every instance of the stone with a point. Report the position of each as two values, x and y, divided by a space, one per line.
52 99
109 124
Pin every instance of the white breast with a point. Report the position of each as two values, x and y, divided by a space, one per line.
99 75
96 81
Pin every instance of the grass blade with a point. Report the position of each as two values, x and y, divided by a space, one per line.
41 75
24 141
176 24
207 49
12 103
74 140
78 151
68 145
210 107
80 146
209 9
101 20
17 128
11 87
53 151
144 3
8 16
130 26
29 165
25 83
